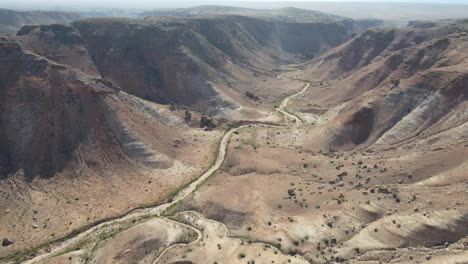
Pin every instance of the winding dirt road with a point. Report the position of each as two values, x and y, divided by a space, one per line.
157 211
285 102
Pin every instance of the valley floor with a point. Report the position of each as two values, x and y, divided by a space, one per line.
272 196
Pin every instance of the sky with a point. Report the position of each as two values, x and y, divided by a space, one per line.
151 4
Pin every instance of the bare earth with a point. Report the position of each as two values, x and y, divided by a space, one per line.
356 156
313 206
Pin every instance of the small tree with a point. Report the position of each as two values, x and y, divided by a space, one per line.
172 106
188 116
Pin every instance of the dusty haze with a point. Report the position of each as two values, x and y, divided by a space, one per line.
395 12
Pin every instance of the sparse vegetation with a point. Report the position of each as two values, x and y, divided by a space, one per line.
374 158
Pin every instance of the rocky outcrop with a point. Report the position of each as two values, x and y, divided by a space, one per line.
6 242
207 123
60 43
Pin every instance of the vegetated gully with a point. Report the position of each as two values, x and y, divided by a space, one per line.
158 211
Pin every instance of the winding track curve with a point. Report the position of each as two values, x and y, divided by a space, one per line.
182 194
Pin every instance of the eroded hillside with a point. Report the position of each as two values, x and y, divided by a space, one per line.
205 63
391 86
356 151
75 149
375 174
105 116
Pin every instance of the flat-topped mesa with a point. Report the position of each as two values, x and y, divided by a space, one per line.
286 14
59 43
61 33
422 24
26 29
11 20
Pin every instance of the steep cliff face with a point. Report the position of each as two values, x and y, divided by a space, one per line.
186 61
59 43
189 60
81 128
60 126
412 80
63 75
161 61
50 110
378 43
302 40
299 31
43 104
57 81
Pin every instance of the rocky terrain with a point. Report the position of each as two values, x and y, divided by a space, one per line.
313 143
75 149
110 111
11 21
204 63
375 174
392 86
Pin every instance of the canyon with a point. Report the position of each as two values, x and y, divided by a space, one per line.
226 135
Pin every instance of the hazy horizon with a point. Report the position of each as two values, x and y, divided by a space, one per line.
400 11
148 4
